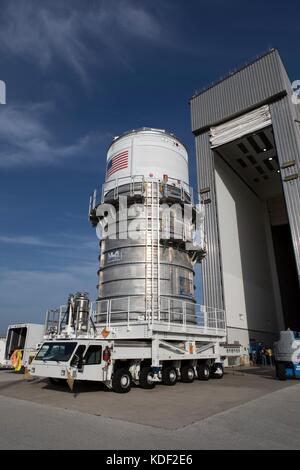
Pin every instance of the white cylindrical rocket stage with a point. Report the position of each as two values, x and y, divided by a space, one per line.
152 274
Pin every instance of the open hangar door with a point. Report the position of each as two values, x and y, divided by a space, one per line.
260 281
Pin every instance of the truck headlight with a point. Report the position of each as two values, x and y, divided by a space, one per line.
63 373
32 369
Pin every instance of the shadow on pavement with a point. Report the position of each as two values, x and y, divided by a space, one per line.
80 387
267 372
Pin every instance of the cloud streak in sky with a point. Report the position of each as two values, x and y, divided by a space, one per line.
76 33
25 139
40 290
70 242
26 240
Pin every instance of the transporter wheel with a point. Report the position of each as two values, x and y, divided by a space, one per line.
217 371
146 378
169 376
280 371
187 374
121 381
203 371
54 381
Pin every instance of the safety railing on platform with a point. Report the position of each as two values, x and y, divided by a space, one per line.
56 320
173 312
131 185
135 185
131 311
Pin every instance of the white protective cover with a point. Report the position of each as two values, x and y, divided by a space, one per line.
151 152
238 127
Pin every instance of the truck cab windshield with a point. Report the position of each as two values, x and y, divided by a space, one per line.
56 352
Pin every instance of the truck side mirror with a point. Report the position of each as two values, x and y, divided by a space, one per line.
81 363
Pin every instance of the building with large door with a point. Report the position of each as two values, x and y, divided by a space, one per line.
247 132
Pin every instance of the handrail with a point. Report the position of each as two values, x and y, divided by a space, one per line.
98 196
171 312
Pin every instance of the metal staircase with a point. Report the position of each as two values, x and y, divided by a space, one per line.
152 254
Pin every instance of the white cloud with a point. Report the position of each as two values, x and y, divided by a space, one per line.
78 33
25 138
26 295
69 242
26 240
136 21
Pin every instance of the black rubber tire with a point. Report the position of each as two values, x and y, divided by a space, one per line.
280 371
203 372
169 376
121 381
144 378
56 382
187 374
217 376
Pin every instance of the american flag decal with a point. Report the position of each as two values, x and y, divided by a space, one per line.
117 162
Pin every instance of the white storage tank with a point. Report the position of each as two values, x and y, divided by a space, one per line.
153 273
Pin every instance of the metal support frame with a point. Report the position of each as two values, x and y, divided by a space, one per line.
172 347
155 352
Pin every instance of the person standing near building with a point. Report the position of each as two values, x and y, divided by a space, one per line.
264 356
258 358
254 359
270 356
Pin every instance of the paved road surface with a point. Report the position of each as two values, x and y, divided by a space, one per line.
271 420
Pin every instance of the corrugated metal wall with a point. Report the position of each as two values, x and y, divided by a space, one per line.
211 265
263 81
245 89
287 142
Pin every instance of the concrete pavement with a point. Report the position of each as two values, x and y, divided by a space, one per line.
269 420
167 407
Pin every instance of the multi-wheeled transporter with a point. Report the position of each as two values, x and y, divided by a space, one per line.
145 326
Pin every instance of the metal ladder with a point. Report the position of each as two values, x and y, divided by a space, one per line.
152 251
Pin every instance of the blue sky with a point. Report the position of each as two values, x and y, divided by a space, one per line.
78 73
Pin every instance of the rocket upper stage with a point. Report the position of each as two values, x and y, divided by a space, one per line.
147 152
